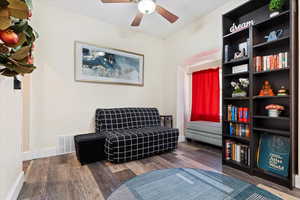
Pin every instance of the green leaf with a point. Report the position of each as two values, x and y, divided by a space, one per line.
31 34
21 53
20 26
5 20
3 59
29 3
9 73
18 9
24 68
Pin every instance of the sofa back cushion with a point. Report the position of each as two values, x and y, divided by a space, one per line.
126 118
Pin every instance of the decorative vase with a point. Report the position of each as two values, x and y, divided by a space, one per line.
273 14
274 113
239 94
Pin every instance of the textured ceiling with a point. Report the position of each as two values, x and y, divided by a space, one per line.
123 14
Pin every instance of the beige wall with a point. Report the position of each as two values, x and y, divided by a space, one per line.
61 106
10 135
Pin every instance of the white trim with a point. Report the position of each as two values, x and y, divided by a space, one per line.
44 153
297 181
16 188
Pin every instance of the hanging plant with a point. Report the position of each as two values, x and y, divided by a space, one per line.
16 38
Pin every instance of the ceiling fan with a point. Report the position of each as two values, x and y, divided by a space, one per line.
146 7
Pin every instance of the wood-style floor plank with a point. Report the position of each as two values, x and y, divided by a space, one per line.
63 178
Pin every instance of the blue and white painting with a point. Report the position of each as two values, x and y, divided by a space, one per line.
96 64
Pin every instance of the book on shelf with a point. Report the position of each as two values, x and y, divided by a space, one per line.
274 154
241 130
237 114
240 69
271 62
237 152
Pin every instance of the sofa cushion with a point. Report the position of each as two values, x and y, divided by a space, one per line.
126 118
133 144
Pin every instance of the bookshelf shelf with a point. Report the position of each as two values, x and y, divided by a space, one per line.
235 122
271 176
237 33
281 53
273 131
271 71
237 74
237 98
237 165
277 42
271 118
237 61
271 97
270 21
238 138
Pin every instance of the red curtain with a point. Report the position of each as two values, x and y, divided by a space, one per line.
206 96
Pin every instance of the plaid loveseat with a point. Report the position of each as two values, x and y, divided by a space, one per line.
134 133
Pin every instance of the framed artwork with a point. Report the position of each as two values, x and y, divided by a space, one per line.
106 65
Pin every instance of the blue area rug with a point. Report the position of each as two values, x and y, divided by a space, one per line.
188 184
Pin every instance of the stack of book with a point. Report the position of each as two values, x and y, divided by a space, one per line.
237 114
271 62
237 152
241 130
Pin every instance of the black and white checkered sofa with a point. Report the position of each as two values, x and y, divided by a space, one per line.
134 133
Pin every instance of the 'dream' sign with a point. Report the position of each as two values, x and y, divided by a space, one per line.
235 27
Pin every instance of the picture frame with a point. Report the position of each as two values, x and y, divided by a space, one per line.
107 65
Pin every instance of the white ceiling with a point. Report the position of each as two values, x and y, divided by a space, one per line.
122 14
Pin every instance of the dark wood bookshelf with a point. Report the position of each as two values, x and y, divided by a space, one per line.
237 98
279 41
271 118
273 131
238 138
237 74
272 71
286 124
238 61
271 97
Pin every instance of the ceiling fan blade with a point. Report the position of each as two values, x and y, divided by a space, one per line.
166 14
137 20
116 1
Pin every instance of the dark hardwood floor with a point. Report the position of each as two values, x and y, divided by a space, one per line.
63 178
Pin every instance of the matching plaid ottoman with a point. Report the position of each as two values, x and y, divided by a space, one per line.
134 133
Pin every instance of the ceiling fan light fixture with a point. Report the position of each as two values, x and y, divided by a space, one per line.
146 6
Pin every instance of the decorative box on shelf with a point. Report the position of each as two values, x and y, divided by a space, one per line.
240 69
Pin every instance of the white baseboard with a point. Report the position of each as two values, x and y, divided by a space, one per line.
44 153
181 138
297 181
16 188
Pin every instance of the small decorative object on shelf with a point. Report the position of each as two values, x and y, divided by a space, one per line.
240 69
266 89
282 91
237 86
235 28
274 110
275 7
239 54
274 35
